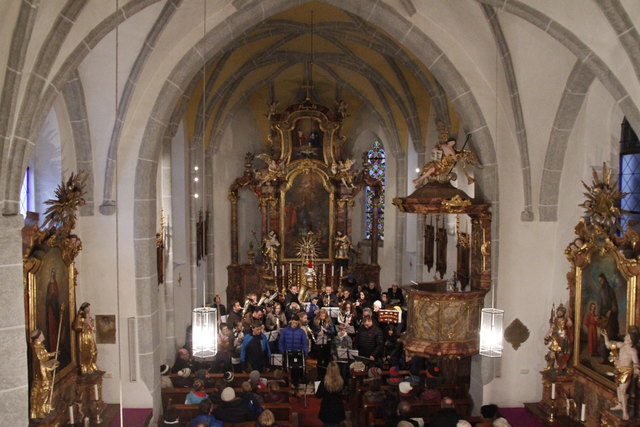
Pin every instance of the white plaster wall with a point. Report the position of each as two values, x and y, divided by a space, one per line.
7 19
47 160
240 137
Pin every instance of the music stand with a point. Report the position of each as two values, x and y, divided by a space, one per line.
296 366
276 359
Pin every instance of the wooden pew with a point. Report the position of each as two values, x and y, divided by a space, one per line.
419 409
281 411
178 395
238 379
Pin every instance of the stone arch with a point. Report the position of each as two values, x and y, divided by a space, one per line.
41 93
179 79
73 95
516 107
573 97
624 28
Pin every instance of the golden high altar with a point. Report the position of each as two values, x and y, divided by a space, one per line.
306 191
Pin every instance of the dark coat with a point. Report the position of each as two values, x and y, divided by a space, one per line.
234 411
370 342
446 417
331 406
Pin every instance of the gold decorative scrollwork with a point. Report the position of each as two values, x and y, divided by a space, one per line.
456 204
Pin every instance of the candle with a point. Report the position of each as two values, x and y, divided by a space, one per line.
553 391
71 418
583 412
289 268
323 269
282 270
95 391
332 267
87 422
340 271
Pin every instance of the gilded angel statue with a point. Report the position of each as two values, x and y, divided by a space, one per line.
274 170
444 157
342 170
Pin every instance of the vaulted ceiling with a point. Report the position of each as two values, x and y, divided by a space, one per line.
343 56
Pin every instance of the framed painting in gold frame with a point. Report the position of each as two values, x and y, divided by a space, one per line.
51 305
307 205
605 298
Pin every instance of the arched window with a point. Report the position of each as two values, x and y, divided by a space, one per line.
378 161
629 175
26 194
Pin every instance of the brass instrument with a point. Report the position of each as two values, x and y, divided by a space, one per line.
245 306
262 299
326 300
271 298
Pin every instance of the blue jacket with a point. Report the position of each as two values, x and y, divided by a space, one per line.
293 339
263 340
213 421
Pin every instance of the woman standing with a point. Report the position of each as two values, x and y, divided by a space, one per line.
323 332
86 342
330 391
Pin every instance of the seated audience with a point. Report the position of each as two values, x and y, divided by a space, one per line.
395 295
196 395
402 414
267 419
170 418
446 416
232 409
252 400
165 379
375 393
491 417
205 416
274 395
183 360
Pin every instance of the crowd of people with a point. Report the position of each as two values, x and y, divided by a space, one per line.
326 329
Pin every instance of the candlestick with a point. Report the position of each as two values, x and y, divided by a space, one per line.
553 391
583 412
71 418
95 391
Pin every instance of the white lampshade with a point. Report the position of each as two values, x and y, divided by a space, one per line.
491 332
204 329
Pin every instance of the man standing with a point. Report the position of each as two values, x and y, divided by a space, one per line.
255 352
395 295
235 314
626 364
253 317
369 341
294 339
328 298
289 299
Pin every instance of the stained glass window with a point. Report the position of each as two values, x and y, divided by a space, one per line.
630 176
378 161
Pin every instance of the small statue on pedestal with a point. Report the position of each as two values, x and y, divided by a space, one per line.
270 247
342 246
42 383
625 359
558 340
86 341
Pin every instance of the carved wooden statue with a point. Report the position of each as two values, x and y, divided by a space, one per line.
86 341
43 367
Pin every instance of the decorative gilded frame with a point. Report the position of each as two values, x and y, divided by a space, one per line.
306 166
34 265
628 269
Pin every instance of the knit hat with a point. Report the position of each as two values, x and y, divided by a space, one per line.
228 376
404 388
228 394
254 376
164 369
186 372
358 366
374 372
394 376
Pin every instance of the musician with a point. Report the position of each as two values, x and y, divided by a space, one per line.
256 315
328 298
255 352
395 295
293 338
346 316
235 314
237 337
342 341
292 310
346 296
217 304
373 291
313 308
304 325
323 333
276 319
292 295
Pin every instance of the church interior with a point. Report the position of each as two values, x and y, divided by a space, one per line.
164 156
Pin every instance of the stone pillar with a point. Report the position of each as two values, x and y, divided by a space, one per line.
401 217
14 390
233 197
169 308
420 232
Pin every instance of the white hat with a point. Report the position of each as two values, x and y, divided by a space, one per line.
463 423
377 303
228 394
358 366
186 372
404 387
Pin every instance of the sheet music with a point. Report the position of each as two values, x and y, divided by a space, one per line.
273 335
276 359
223 319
